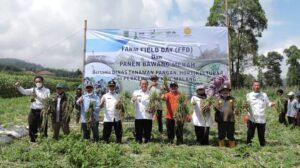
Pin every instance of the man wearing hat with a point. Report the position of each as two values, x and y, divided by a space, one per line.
201 120
59 113
297 107
154 87
143 119
291 110
112 117
258 102
225 112
171 99
78 94
89 104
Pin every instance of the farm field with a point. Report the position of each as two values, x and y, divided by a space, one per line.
282 149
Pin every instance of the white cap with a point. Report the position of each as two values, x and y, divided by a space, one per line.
291 94
200 87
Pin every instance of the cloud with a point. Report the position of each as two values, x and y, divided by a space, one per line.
51 32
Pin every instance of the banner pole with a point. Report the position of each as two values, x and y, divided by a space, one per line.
84 51
228 37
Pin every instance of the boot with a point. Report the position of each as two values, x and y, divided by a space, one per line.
231 144
221 143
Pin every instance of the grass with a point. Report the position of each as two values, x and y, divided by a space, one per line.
282 149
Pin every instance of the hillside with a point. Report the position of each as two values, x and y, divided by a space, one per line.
17 65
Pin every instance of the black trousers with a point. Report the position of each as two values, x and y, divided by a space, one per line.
172 130
87 131
143 128
291 120
35 120
261 128
202 134
226 129
159 120
107 128
282 119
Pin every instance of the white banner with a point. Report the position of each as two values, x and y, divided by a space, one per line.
188 55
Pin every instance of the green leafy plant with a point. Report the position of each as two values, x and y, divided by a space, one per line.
182 110
122 104
154 103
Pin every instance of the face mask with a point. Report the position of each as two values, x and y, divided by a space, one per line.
90 94
38 85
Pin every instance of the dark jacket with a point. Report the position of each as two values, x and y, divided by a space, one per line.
225 109
62 110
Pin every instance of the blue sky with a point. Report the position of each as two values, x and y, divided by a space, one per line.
283 27
283 22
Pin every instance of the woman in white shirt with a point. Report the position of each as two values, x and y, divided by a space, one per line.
201 121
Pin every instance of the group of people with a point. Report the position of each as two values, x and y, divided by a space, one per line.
89 104
287 108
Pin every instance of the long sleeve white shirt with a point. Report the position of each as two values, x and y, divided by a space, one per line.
141 104
291 110
41 93
258 103
110 100
198 118
87 99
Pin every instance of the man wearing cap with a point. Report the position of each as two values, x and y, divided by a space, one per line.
291 110
78 94
154 87
59 114
258 102
38 95
171 99
111 116
225 116
143 119
201 120
297 107
90 104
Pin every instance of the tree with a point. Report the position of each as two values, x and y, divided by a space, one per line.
272 75
246 22
293 75
260 63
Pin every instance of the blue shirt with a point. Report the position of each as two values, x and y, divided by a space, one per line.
87 99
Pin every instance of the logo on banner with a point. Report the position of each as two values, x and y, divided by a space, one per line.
187 31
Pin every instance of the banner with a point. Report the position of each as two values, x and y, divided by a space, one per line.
188 55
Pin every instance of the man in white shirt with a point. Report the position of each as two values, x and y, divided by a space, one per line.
154 87
112 117
201 120
90 104
291 110
258 102
38 95
143 119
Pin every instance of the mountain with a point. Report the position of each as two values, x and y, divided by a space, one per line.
13 64
19 65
